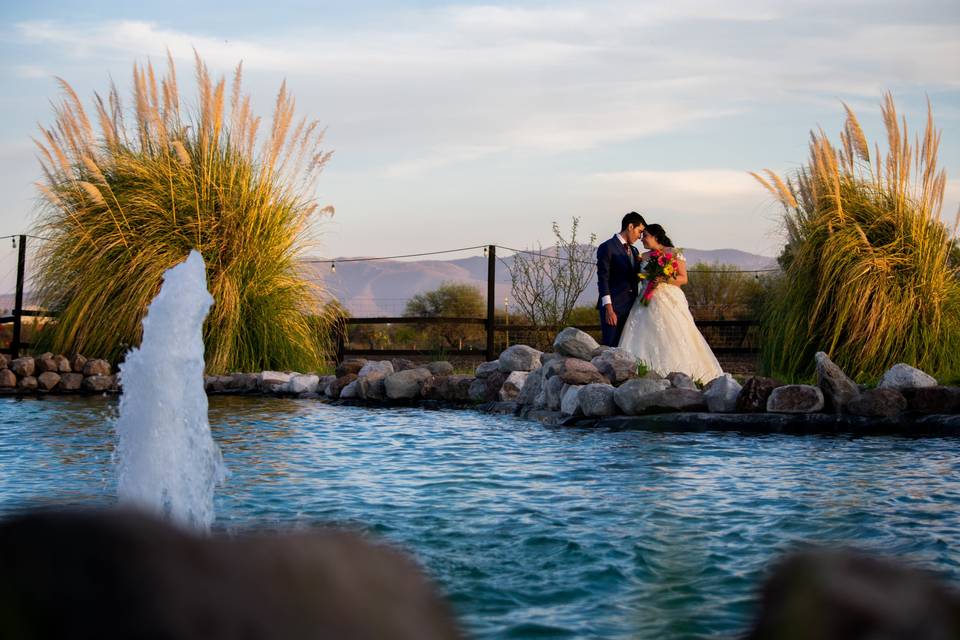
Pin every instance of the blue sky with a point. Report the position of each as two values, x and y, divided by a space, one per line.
461 123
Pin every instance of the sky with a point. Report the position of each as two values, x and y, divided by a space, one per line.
463 123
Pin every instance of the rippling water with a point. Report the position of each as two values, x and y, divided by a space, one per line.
533 531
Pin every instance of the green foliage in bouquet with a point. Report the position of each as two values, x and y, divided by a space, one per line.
131 199
869 275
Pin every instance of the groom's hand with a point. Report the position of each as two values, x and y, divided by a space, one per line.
611 315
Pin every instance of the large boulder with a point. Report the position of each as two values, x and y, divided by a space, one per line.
838 389
670 399
372 387
580 372
245 382
63 364
596 400
71 381
48 380
878 403
27 383
629 396
440 368
722 393
324 382
942 400
351 391
513 385
405 385
903 376
484 369
383 367
96 367
302 384
268 381
553 393
23 366
570 402
553 367
45 363
519 357
8 379
457 388
351 365
402 364
337 386
575 343
618 365
532 389
478 390
679 380
98 383
77 363
755 394
795 398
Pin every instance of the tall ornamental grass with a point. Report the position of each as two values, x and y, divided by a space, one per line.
868 271
127 195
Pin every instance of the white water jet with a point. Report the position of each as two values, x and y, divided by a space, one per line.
167 461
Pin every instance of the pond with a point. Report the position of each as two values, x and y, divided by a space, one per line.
535 531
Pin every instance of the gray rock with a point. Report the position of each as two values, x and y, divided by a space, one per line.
8 379
755 393
629 396
618 365
96 367
71 381
795 398
23 366
722 393
323 383
402 364
580 372
48 380
575 343
597 400
903 376
553 393
933 400
876 403
267 381
553 367
458 388
570 403
384 367
513 385
27 383
405 385
302 384
681 380
244 382
532 389
671 399
338 385
441 368
97 383
434 388
351 391
63 364
478 390
547 356
77 363
519 357
599 350
372 387
351 365
838 389
484 369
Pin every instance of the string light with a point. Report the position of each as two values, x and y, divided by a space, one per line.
13 241
484 252
333 267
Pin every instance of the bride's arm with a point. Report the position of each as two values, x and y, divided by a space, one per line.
680 278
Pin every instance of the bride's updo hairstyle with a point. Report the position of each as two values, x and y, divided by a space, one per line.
658 232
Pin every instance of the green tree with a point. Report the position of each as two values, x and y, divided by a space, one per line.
449 300
126 200
717 291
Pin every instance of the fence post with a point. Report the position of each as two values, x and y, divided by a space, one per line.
18 301
491 318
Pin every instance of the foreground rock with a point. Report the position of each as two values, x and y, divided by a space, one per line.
838 389
755 394
939 399
574 343
878 403
513 385
795 398
519 357
579 372
722 393
902 376
618 365
597 400
119 574
405 385
629 397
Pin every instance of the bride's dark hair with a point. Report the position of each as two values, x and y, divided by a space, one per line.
659 233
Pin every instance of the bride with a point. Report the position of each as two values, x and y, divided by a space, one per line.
663 335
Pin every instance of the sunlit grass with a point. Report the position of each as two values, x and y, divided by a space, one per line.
868 272
129 197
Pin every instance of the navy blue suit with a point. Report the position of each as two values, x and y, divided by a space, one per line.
617 278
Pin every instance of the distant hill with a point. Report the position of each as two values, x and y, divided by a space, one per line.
382 287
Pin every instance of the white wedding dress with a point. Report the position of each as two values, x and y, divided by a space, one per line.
664 336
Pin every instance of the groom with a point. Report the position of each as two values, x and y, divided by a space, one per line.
617 263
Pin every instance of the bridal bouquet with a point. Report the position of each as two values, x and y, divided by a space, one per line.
659 264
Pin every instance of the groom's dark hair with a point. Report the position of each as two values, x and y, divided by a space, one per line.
633 218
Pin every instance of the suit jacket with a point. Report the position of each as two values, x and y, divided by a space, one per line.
616 275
